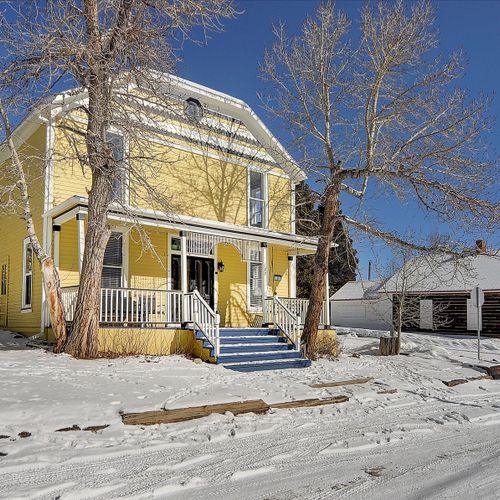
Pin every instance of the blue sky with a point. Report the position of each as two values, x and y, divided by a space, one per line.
230 62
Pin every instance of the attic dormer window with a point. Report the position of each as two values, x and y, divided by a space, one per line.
193 109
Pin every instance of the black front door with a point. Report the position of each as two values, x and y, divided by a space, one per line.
201 277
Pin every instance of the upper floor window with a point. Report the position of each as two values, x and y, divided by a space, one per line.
193 109
256 199
112 269
117 143
27 274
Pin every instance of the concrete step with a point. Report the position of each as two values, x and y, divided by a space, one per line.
254 347
281 364
250 356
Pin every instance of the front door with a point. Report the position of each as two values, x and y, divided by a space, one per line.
4 290
201 277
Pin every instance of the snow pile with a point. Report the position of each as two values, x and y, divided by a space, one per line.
424 440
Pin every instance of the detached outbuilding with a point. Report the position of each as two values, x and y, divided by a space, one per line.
358 304
442 287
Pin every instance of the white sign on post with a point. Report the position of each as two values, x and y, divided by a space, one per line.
477 300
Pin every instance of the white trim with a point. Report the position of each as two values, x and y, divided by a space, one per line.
293 210
24 306
80 231
125 253
57 248
250 307
264 199
301 244
292 277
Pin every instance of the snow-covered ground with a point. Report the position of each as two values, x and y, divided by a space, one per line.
424 441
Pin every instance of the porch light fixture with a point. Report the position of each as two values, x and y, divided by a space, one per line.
220 266
277 277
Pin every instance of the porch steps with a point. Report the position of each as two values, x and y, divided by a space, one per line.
257 349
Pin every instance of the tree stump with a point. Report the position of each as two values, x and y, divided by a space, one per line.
389 346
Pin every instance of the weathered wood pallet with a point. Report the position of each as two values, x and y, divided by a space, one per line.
182 414
340 383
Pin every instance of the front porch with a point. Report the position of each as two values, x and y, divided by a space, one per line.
148 309
164 272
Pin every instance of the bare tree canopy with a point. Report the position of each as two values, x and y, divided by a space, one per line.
105 50
374 108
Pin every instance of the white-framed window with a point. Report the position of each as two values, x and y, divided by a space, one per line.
27 288
175 262
117 143
112 268
256 199
255 285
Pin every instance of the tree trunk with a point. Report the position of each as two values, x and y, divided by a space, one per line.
390 346
317 296
83 342
50 276
52 285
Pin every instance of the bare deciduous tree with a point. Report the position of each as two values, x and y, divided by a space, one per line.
380 112
107 49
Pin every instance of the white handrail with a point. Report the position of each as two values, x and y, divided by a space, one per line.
131 306
296 306
287 322
206 320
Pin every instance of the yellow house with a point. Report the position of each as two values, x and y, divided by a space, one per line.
215 256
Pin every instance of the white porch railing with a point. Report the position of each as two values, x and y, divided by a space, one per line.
206 320
285 319
132 306
296 306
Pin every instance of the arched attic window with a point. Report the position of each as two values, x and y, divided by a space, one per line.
193 109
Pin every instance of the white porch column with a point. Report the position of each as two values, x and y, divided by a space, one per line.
184 269
265 273
80 225
57 237
292 277
327 299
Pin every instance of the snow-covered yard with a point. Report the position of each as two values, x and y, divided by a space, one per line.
424 441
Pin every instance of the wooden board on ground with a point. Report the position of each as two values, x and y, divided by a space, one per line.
341 382
302 403
182 414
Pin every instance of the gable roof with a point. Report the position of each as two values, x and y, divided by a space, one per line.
447 274
272 152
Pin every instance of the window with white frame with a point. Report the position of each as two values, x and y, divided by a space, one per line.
256 199
117 143
255 285
27 274
112 269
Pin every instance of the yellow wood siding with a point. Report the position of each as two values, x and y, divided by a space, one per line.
191 183
280 192
148 259
68 254
13 232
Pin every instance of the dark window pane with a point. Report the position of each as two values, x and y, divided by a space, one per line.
176 272
27 290
256 190
113 253
111 277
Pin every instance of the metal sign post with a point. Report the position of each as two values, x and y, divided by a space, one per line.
477 299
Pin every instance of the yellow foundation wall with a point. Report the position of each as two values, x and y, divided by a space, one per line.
12 234
155 342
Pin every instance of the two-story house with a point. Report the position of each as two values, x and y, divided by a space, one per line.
226 238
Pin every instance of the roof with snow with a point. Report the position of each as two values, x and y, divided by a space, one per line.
357 290
447 274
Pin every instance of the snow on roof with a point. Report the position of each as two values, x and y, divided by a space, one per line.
447 274
357 290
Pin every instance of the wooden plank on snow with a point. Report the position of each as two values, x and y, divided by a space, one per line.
342 382
182 414
302 403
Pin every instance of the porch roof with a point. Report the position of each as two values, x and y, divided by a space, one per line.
298 244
